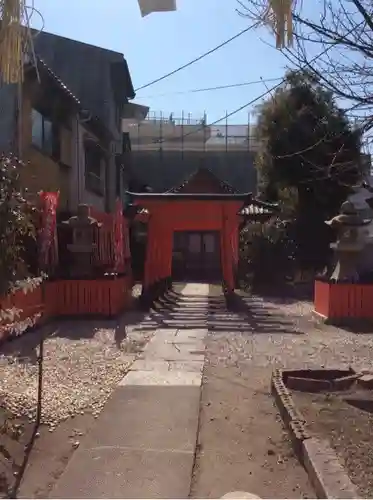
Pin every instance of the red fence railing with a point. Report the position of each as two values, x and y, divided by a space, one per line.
343 300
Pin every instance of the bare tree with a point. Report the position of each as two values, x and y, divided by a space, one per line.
341 31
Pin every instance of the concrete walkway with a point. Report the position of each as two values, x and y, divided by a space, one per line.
143 445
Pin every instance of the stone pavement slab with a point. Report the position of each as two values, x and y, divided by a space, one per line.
160 378
166 366
147 418
121 473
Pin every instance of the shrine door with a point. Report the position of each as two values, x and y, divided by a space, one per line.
196 256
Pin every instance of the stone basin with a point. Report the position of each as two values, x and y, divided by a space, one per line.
319 380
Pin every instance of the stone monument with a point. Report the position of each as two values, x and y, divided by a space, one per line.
83 227
352 238
362 199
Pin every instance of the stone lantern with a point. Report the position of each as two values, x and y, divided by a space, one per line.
83 228
352 239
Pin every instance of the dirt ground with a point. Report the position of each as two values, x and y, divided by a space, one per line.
242 443
49 455
348 429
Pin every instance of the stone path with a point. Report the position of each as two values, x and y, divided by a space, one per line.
143 445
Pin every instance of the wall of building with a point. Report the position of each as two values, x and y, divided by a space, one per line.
78 188
41 171
68 176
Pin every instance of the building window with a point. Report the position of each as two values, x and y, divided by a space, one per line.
45 135
93 168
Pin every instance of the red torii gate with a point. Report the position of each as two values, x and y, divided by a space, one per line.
169 212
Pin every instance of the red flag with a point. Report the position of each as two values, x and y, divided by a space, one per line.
118 238
47 234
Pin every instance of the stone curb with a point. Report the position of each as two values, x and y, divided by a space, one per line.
326 474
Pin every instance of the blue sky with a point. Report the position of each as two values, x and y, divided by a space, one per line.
159 43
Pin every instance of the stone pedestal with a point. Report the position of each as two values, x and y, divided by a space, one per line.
347 256
83 246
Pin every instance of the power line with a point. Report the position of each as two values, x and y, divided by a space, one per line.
218 87
246 105
211 51
256 99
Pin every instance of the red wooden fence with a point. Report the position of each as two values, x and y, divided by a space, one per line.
343 300
100 297
103 296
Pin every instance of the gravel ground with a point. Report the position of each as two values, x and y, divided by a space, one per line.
348 430
82 363
286 334
243 348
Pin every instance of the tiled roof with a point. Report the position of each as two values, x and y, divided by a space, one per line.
57 80
255 210
258 208
225 186
96 76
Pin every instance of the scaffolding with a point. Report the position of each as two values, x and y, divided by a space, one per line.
185 132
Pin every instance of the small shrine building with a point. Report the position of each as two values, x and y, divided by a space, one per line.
193 229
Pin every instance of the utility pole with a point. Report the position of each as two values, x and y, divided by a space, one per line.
182 134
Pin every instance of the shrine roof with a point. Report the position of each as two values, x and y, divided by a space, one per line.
223 186
171 196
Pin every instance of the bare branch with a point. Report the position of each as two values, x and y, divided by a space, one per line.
345 27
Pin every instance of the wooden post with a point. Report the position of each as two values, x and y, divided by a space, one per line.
235 246
227 251
170 247
148 269
222 244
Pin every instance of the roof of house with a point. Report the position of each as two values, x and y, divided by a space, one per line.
42 67
93 74
167 171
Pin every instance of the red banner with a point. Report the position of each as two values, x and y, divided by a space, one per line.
127 250
47 234
118 238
